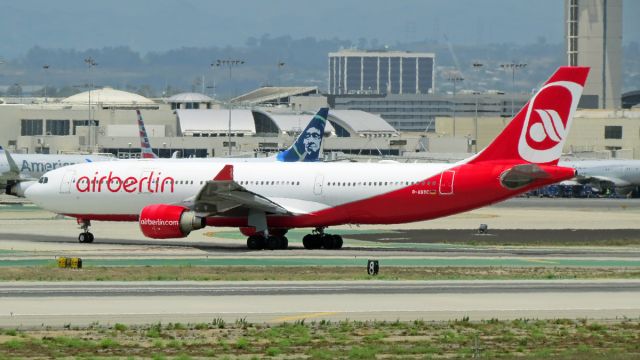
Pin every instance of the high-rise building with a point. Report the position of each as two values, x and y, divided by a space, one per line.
593 35
354 72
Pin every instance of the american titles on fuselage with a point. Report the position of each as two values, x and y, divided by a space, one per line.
42 166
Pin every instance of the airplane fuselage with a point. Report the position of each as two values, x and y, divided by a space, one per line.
315 194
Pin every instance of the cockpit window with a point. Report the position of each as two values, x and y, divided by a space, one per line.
43 180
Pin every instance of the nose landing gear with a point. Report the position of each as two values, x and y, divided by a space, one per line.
318 239
85 236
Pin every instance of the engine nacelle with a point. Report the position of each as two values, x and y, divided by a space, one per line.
168 221
18 188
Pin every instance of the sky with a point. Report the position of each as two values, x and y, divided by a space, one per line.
169 24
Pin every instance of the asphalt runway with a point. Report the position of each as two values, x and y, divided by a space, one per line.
548 225
43 304
31 236
406 243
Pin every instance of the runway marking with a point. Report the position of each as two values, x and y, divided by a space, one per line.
541 261
304 316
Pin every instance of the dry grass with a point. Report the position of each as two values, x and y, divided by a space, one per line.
240 273
530 339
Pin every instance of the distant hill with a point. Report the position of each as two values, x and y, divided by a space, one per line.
305 63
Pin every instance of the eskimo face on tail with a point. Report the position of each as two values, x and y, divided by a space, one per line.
547 121
307 145
311 141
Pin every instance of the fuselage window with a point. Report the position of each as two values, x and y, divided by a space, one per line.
298 183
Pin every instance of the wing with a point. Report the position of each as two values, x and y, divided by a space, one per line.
223 194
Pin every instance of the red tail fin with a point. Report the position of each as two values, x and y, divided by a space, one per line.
538 132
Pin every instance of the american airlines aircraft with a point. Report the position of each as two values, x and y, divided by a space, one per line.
623 175
170 198
19 171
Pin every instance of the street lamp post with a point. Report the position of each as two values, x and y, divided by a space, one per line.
45 67
90 63
513 66
230 63
476 67
280 66
213 80
454 77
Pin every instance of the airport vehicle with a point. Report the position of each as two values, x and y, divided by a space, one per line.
169 198
622 175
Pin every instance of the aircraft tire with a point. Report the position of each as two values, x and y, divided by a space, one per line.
307 241
338 242
255 242
273 242
328 242
284 243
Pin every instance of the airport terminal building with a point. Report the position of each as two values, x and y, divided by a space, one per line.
381 72
266 121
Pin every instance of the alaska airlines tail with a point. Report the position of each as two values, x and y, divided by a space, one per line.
145 146
307 145
539 130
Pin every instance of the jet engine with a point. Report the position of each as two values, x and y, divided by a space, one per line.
17 188
163 221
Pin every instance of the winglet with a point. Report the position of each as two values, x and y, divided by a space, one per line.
226 174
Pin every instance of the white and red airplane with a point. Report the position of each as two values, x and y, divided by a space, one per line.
170 198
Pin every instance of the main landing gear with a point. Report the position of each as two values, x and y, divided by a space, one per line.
318 239
272 241
85 236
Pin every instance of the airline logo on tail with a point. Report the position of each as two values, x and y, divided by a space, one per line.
307 145
147 152
547 120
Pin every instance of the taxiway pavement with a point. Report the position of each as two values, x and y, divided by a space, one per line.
44 304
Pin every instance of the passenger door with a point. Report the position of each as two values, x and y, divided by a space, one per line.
67 180
319 183
446 182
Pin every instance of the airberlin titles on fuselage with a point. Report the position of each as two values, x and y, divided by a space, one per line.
152 183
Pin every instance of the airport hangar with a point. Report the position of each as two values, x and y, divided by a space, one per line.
268 119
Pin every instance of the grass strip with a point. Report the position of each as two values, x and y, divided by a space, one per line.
522 338
240 273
